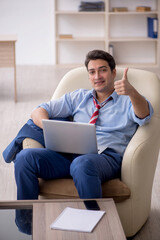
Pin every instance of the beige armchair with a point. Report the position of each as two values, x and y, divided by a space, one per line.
132 193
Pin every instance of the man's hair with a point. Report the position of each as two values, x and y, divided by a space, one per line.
100 54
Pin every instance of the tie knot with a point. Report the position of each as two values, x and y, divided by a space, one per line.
98 106
96 112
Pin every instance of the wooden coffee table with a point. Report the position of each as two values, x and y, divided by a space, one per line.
44 213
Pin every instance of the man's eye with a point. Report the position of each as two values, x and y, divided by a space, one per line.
91 72
103 70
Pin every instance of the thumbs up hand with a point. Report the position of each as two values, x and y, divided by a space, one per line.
139 103
123 87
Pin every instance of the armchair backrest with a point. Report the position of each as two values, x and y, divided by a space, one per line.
74 79
145 82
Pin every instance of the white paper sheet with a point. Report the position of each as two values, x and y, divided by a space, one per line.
77 220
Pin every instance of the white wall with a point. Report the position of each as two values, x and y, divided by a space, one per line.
33 23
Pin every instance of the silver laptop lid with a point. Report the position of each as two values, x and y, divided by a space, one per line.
70 137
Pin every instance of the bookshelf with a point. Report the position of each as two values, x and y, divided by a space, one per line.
76 33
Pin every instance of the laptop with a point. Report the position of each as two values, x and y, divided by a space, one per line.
70 137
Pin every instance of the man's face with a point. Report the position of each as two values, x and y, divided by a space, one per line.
100 76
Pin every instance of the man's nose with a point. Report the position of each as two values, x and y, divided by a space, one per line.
97 75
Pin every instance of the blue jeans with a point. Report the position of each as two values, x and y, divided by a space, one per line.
88 171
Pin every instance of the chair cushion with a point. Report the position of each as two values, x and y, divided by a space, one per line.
116 189
65 188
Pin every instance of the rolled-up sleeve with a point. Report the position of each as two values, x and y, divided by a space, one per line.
142 121
61 107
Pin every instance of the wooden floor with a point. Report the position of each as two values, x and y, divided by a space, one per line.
36 84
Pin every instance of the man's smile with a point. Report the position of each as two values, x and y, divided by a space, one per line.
99 82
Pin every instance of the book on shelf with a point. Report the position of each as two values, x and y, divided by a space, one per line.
110 49
143 9
86 6
152 27
120 9
65 36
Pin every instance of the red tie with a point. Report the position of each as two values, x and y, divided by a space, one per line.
96 112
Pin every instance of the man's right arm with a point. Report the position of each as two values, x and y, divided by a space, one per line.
38 114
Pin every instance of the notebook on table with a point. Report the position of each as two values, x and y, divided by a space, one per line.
70 137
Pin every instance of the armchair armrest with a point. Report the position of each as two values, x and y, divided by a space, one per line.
139 161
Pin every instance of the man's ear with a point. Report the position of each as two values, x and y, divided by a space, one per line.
114 73
88 75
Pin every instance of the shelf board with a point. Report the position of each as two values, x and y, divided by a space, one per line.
133 39
137 65
81 39
69 65
79 13
133 13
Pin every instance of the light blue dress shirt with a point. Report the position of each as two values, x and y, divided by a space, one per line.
116 122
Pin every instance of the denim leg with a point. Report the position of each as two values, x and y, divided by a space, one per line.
31 164
90 170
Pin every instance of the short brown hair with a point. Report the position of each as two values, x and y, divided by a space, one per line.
100 54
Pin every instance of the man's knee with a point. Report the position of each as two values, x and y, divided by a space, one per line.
82 165
25 159
85 176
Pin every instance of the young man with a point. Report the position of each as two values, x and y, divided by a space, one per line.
121 110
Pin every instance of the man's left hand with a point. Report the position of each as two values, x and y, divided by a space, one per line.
123 87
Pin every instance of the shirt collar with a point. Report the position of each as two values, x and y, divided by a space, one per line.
113 95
